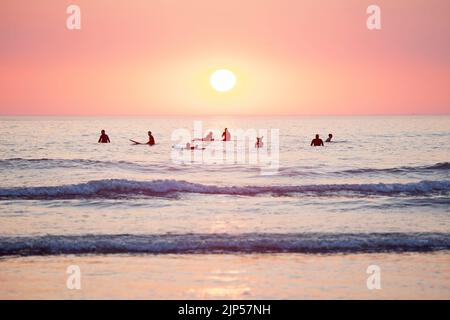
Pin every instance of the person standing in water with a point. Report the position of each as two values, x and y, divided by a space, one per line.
226 135
259 143
330 136
103 138
317 142
151 139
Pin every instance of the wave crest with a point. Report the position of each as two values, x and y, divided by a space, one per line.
439 167
48 163
111 188
225 243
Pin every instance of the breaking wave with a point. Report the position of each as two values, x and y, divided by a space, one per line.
225 243
114 188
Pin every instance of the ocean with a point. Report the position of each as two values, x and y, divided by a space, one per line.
225 220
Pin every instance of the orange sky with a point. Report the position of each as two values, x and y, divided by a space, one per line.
154 57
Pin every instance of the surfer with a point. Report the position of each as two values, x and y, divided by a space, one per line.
317 141
330 136
191 147
259 143
151 139
103 138
208 137
226 135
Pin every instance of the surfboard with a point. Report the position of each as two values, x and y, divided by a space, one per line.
204 140
181 148
140 143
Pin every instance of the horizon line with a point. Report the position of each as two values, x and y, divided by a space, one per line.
226 115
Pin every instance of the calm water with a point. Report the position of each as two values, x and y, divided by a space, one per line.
382 186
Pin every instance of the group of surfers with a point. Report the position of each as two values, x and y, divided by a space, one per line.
226 136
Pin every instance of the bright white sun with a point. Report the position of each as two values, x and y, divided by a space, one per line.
222 80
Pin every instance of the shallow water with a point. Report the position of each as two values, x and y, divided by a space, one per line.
243 276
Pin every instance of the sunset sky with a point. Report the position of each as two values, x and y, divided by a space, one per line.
155 57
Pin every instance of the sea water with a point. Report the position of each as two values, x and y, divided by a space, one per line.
380 188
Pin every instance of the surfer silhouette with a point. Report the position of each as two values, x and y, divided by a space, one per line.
226 135
330 136
150 142
193 147
103 138
317 142
151 139
259 143
208 137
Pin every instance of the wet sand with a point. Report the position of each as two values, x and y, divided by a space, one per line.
215 276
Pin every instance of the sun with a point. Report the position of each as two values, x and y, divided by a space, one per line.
222 80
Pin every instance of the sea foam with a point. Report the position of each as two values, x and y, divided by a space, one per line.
225 243
122 188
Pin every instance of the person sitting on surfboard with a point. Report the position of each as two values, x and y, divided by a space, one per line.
317 141
259 143
226 135
330 136
208 137
103 138
151 140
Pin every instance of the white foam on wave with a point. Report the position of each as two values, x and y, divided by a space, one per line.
121 187
225 243
440 168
